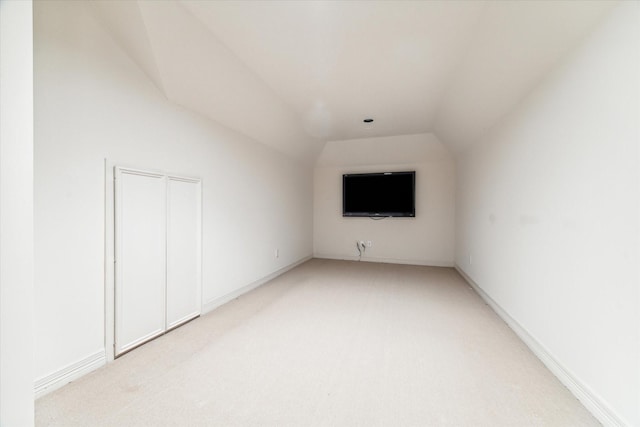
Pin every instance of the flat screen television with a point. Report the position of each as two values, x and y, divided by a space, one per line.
384 194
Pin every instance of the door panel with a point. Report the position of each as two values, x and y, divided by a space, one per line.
140 257
183 251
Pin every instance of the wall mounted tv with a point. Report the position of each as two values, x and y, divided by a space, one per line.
384 194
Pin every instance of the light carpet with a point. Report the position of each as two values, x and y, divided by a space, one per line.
329 343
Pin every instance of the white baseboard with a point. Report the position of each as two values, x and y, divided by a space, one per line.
366 258
69 373
594 403
218 301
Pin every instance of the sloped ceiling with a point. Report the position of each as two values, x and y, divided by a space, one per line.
294 75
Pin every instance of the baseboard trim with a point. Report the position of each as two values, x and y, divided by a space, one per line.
69 373
218 301
594 403
428 263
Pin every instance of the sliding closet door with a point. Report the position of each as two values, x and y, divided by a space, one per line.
183 250
140 257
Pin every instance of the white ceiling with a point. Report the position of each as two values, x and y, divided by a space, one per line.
293 75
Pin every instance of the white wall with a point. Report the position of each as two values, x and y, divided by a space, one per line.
426 239
548 218
92 103
16 214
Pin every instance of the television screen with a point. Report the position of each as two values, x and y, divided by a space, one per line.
385 194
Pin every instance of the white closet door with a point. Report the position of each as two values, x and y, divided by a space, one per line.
140 257
183 250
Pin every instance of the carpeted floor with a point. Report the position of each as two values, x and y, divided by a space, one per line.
330 343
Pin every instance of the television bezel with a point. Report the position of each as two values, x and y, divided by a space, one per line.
410 214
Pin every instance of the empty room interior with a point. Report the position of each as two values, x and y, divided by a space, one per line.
320 213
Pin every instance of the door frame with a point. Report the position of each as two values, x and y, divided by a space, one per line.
109 246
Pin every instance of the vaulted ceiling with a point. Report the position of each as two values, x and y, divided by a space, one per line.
293 75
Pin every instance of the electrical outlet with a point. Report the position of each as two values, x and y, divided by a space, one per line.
369 243
470 259
277 253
